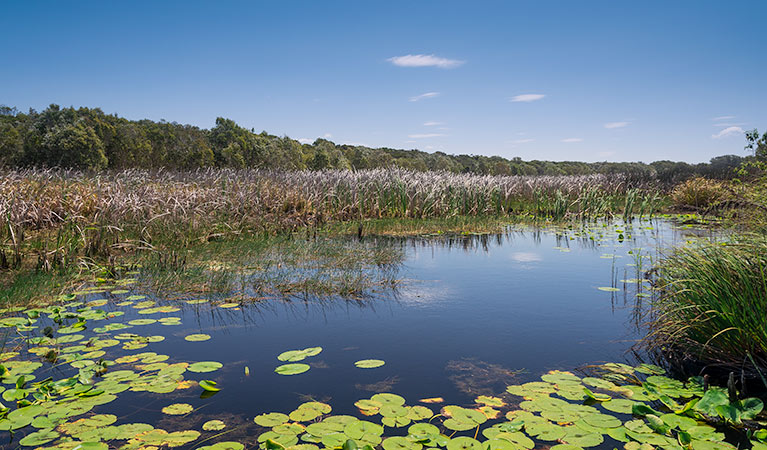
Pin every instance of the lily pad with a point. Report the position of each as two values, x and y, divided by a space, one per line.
369 363
213 425
178 409
197 337
209 386
299 355
204 366
291 369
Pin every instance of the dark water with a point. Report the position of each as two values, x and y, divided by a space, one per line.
473 314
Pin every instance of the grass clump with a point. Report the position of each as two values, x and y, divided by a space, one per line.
713 305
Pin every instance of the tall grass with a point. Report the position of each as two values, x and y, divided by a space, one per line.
713 304
53 220
42 198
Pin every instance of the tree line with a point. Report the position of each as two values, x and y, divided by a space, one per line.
89 139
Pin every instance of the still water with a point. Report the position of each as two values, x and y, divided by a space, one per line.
471 315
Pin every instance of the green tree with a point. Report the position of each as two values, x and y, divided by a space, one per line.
76 146
757 145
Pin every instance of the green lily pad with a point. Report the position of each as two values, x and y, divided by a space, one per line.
299 355
38 438
388 399
204 366
178 409
197 337
270 419
369 363
213 425
209 386
402 443
291 369
464 443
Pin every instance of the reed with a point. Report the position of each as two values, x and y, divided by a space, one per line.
713 305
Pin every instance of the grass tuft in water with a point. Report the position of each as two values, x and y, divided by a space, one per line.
713 307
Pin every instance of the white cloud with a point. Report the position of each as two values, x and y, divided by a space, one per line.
424 96
424 135
432 124
309 141
424 61
526 257
527 97
729 131
716 119
522 141
568 140
611 125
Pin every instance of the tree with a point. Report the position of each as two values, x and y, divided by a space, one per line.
76 146
756 144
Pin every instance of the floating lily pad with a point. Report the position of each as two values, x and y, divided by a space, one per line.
369 363
270 419
464 443
204 366
299 355
38 438
403 443
197 337
291 369
178 409
213 425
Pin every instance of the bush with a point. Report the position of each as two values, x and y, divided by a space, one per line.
698 192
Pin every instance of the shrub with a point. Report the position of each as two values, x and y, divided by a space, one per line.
698 192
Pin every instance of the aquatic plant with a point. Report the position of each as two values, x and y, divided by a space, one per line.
713 305
637 406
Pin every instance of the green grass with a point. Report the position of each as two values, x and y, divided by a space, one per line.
713 306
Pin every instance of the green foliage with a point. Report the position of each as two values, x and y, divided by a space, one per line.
86 138
713 302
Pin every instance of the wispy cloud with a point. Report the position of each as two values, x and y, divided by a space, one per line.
729 131
432 124
424 96
522 141
611 125
309 141
424 135
527 97
717 119
425 61
569 140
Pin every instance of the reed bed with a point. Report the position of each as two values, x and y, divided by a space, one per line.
38 199
713 306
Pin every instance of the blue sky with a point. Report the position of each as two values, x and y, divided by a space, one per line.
592 81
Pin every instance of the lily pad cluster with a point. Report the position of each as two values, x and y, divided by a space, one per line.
636 407
291 356
73 358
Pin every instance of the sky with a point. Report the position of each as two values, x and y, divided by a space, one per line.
554 80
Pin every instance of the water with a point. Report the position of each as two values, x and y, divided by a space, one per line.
473 314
